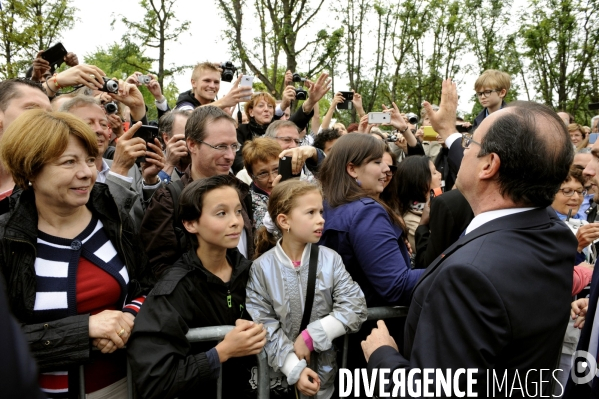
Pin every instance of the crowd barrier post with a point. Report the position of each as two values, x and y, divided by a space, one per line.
217 333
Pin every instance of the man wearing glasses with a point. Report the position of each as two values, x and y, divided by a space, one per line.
491 88
211 137
496 301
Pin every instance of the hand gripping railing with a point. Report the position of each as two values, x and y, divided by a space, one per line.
218 333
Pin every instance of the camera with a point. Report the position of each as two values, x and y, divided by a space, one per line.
144 79
300 94
297 78
228 71
392 137
110 85
412 118
111 108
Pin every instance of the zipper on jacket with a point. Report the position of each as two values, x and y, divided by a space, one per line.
301 292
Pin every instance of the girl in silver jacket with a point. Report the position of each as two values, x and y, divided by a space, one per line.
277 286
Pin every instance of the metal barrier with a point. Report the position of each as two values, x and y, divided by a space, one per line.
218 333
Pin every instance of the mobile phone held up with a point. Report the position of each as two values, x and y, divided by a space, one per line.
285 169
348 96
379 118
246 81
148 133
55 55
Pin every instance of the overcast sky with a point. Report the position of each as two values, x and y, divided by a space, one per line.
202 42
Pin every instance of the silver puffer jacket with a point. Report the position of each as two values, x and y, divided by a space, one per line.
276 296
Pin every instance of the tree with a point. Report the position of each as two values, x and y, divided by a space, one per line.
560 39
159 26
28 26
281 25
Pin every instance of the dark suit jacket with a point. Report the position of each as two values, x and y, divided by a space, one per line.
499 298
579 391
450 215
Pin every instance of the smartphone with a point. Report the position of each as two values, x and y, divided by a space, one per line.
379 117
148 133
347 104
461 129
429 133
285 169
55 54
246 81
593 138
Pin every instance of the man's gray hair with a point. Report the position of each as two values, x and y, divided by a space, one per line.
78 101
166 122
274 127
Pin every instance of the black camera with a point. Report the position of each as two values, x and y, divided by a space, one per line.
110 85
111 108
297 78
228 71
412 118
300 94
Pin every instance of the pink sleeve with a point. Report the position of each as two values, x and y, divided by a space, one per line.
582 278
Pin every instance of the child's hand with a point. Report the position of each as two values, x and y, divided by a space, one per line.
301 350
305 386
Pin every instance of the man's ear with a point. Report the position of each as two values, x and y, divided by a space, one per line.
491 168
351 170
192 146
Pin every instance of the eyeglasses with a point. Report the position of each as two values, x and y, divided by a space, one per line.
391 171
265 175
467 139
223 147
289 140
486 93
568 192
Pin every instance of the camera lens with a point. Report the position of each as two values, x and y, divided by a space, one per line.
111 107
297 77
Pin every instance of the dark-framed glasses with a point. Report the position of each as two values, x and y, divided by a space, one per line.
486 93
568 192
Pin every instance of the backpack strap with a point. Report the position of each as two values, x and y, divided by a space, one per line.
311 286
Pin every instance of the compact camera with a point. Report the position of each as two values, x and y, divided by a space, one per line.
144 79
228 71
111 108
110 85
412 118
300 94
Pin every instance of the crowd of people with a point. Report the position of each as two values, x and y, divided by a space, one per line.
119 234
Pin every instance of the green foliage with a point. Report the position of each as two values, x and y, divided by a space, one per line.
28 26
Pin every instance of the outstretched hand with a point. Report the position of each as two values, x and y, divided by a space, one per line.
443 120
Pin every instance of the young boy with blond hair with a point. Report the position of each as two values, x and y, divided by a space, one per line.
491 88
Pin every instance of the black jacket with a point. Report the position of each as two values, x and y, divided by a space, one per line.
163 362
64 342
187 98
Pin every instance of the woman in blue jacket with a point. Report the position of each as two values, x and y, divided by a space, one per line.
369 236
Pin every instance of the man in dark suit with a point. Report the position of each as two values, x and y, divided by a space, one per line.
498 299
